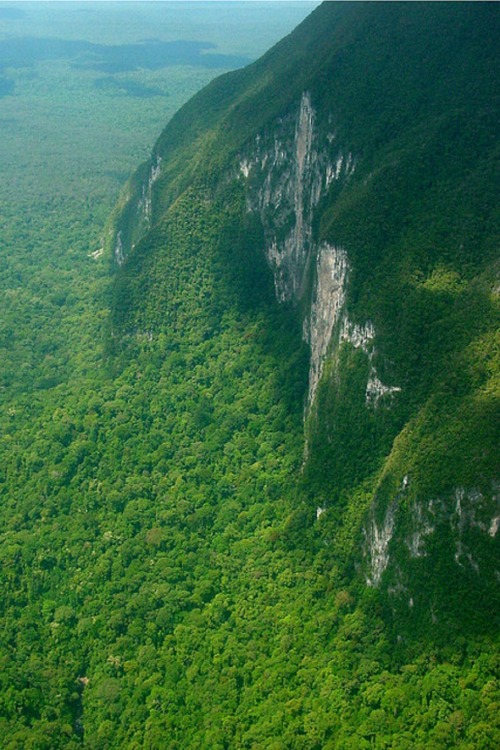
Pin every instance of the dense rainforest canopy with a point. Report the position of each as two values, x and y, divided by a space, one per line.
260 508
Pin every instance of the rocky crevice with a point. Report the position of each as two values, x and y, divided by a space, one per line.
287 172
326 308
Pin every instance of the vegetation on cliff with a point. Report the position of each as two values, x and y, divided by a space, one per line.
185 561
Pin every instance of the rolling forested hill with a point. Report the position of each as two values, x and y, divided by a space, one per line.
268 519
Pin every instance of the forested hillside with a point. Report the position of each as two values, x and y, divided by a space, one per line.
266 515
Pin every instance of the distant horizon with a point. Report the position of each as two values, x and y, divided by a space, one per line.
172 2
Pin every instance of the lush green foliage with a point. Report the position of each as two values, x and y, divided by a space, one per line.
166 580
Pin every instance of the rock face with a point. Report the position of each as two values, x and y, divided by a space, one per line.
288 172
290 169
377 541
145 202
466 520
118 253
327 307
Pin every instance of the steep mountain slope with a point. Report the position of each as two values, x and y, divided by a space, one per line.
360 158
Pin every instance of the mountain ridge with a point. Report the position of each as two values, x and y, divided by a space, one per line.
316 150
